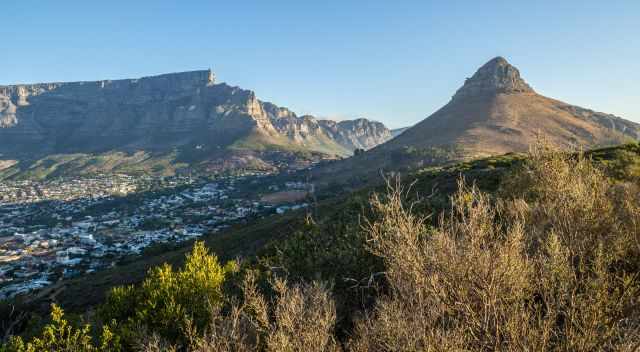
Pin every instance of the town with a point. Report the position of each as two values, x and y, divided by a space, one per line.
59 229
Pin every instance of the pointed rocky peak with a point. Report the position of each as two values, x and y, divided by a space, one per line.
494 77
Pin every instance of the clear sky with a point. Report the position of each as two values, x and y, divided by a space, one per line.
392 61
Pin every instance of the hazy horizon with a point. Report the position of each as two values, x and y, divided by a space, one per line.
394 63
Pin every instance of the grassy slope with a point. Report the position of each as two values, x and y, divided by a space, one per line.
163 163
82 164
262 142
248 240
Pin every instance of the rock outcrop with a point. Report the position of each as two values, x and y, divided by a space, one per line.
495 77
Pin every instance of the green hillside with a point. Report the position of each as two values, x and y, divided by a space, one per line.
253 154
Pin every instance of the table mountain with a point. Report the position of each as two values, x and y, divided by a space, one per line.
158 114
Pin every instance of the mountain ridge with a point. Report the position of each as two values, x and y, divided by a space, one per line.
158 113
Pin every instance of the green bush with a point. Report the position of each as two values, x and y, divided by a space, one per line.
61 336
174 304
541 256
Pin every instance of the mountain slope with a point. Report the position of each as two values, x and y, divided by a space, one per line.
188 112
494 112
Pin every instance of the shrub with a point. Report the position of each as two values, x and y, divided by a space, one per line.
172 304
299 318
552 265
62 336
549 262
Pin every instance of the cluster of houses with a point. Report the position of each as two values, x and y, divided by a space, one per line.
43 242
29 191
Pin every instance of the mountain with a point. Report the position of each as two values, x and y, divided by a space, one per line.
494 112
168 118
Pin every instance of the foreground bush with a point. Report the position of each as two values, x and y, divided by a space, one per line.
553 265
60 335
298 318
174 305
551 262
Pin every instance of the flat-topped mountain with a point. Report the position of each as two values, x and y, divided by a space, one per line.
187 110
494 112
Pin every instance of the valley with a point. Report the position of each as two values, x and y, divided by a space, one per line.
214 157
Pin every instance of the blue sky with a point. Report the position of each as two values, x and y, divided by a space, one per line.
392 61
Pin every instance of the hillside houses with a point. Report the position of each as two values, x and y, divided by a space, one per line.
47 236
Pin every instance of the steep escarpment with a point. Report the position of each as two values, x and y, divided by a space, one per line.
349 134
102 115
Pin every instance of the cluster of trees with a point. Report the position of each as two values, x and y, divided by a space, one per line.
549 261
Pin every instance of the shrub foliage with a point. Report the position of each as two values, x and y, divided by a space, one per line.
173 304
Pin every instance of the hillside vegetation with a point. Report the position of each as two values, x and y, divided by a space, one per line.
535 252
191 161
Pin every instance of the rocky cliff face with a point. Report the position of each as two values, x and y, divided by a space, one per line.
349 134
357 134
157 113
